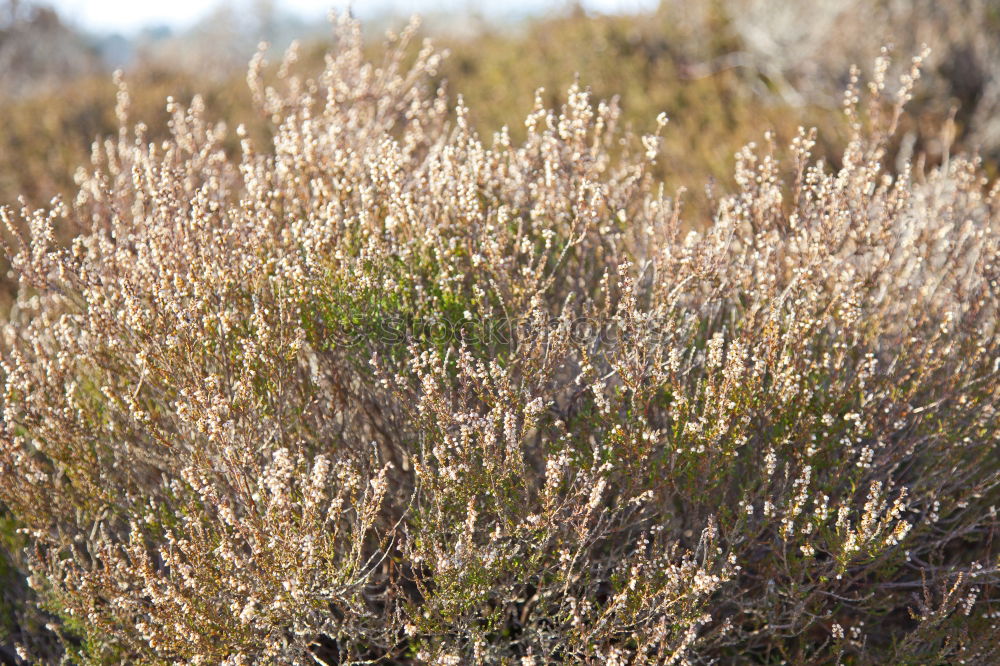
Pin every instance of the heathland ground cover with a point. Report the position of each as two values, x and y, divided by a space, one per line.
355 380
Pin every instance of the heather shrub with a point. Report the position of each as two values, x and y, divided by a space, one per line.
383 390
724 72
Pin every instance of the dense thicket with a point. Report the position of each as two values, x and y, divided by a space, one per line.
383 389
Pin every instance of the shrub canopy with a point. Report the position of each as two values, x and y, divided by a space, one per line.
385 390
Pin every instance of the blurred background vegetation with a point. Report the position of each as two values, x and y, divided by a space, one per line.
724 71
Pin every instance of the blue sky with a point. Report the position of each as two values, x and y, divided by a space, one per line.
130 15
